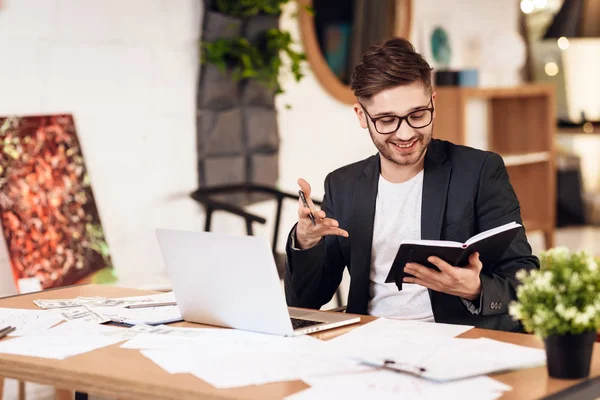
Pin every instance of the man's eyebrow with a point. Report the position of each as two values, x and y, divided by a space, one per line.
389 113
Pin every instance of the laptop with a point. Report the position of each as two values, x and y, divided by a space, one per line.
232 281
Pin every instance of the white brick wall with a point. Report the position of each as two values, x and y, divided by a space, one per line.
127 71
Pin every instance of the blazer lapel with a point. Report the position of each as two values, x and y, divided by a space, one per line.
361 236
435 191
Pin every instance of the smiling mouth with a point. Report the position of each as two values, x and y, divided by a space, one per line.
405 145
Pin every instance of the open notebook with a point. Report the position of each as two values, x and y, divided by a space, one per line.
490 244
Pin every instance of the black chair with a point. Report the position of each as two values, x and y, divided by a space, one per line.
205 197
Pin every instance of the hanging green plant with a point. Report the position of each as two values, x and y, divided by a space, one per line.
261 59
250 8
261 62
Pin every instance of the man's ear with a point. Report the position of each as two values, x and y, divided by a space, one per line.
362 117
433 103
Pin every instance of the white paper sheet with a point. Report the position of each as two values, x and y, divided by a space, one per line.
163 337
471 357
406 341
232 358
250 367
171 330
149 341
216 342
391 329
148 299
66 340
135 316
28 322
389 385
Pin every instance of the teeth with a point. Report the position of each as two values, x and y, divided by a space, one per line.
404 146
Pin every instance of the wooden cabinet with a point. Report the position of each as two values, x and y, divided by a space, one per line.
517 123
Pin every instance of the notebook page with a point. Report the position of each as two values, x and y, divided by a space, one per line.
491 232
433 243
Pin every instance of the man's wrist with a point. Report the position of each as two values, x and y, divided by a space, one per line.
304 245
474 295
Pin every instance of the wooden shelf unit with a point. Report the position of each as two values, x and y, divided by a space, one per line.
517 123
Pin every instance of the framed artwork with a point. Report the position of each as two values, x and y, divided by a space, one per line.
49 218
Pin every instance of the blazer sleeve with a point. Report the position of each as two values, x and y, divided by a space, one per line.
497 204
313 275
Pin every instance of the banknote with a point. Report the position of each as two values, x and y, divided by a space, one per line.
104 302
65 303
85 314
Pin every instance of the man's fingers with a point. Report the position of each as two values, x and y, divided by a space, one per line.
305 187
320 214
335 231
329 222
475 262
302 210
421 272
442 265
421 282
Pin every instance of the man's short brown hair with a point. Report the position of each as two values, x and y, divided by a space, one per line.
385 65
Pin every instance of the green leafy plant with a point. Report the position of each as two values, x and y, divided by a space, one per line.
262 61
563 297
249 8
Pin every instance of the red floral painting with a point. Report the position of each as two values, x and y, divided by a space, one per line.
49 217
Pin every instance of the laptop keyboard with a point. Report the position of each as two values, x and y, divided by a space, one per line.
298 323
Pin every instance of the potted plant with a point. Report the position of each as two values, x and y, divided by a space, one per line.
560 303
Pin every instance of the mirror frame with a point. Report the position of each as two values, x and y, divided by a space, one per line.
328 80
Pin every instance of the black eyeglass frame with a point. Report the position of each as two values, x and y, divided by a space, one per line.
400 119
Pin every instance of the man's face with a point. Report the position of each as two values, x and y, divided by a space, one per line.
407 145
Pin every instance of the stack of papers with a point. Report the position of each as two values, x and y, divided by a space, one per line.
28 322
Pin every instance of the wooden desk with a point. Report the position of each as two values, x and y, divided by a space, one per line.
126 374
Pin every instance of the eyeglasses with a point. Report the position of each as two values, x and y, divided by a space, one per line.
388 124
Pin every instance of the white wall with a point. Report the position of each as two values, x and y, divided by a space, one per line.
127 71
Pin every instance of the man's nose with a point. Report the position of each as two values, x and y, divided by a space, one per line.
404 132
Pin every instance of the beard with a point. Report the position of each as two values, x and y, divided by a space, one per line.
411 157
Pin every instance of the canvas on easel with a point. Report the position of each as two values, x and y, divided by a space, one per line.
49 217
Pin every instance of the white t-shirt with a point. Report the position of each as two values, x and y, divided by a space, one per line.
397 218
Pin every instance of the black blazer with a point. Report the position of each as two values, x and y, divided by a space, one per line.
465 191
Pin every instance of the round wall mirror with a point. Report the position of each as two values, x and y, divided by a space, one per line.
339 31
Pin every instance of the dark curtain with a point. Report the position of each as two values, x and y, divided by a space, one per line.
373 23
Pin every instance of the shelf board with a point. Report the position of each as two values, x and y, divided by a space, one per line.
511 160
534 90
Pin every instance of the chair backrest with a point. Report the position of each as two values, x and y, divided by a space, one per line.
205 196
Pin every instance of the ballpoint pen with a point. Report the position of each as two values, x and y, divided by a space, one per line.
310 214
391 365
6 331
149 305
